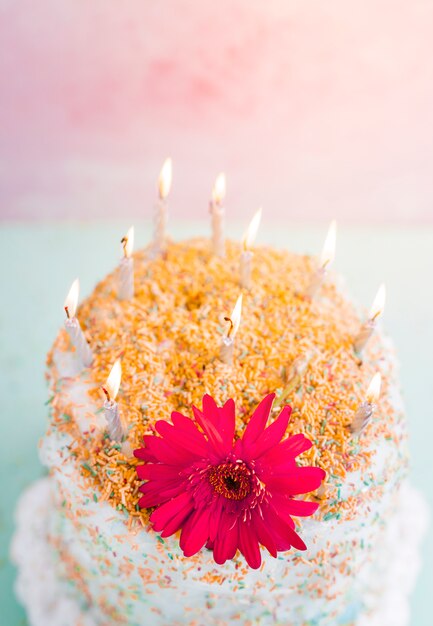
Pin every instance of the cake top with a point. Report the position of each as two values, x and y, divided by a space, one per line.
168 338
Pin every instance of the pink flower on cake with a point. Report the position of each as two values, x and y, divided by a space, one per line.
222 493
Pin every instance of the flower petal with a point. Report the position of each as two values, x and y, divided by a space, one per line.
285 452
258 421
155 494
263 534
188 425
272 435
296 444
157 471
288 506
226 542
176 522
222 418
283 532
299 480
145 455
166 452
210 409
215 517
179 438
195 533
210 430
164 514
228 423
249 546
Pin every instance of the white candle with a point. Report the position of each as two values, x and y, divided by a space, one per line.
295 372
227 343
366 408
247 254
218 214
321 493
368 328
326 259
161 215
73 328
111 408
297 369
126 268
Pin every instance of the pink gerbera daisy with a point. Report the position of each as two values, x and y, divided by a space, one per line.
222 493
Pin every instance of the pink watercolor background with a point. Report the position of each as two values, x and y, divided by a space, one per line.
313 108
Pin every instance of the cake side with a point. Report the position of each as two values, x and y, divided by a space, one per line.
126 574
51 600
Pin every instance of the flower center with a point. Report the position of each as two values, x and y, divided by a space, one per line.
231 480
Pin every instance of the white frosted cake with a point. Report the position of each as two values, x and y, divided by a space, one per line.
201 515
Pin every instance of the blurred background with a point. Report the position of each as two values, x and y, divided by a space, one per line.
314 109
310 107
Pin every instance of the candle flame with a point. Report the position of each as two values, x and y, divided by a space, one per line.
219 188
128 243
164 180
378 306
113 381
328 251
251 232
373 390
72 298
235 317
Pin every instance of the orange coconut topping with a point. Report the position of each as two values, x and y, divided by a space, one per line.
168 338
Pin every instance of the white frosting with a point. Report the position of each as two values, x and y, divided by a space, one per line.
51 601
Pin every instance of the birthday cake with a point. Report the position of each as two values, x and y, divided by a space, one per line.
233 467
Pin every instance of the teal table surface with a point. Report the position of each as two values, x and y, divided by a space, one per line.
39 262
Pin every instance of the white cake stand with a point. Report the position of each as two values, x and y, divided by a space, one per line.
50 602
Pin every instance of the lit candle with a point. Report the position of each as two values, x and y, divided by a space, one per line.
326 259
164 186
111 408
218 213
73 328
366 408
368 328
126 268
247 254
227 343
